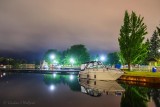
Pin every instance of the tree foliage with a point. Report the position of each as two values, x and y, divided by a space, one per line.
158 30
79 53
135 97
47 56
154 46
132 35
113 58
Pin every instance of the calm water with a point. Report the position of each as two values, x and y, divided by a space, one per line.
55 90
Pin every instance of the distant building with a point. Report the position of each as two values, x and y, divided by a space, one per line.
27 66
5 66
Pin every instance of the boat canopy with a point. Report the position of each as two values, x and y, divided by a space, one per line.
94 64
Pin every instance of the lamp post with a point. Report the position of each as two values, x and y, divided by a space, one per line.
102 58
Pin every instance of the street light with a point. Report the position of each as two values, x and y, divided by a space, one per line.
102 58
52 56
72 61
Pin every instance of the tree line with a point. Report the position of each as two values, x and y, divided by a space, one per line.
78 53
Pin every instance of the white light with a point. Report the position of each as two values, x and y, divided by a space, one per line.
52 56
1 76
102 58
4 74
158 50
96 59
52 87
56 62
72 60
71 77
54 75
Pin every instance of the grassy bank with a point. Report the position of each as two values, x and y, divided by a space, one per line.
144 74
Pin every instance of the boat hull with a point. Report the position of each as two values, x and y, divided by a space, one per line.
101 75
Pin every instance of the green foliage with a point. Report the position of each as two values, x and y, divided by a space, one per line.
121 58
78 52
158 30
135 97
154 45
132 35
47 56
15 63
113 58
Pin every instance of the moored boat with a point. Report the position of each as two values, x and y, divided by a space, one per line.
96 70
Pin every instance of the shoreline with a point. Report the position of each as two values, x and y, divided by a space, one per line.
155 80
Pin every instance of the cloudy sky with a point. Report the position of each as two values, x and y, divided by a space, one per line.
35 25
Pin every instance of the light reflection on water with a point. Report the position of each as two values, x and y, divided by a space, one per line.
68 90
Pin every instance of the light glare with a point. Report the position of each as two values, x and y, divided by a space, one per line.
102 58
72 60
52 87
54 75
52 56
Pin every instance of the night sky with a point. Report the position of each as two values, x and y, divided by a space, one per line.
33 26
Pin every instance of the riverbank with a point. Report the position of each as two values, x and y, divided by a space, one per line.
142 73
148 77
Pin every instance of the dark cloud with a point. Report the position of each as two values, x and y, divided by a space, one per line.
41 24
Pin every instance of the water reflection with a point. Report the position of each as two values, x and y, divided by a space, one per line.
156 96
97 88
52 87
56 79
55 89
2 74
135 97
139 94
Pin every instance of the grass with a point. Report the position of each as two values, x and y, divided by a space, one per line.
142 73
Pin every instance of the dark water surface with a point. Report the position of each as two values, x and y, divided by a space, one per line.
56 90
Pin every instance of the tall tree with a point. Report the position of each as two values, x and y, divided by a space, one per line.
154 46
132 35
158 29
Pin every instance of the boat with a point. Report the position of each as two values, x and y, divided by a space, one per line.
96 70
97 88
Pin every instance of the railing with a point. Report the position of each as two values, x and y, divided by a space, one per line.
143 68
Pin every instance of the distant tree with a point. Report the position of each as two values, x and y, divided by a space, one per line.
132 35
49 54
113 58
154 46
158 29
79 53
64 54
